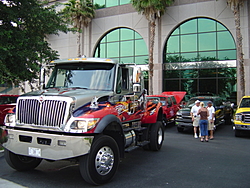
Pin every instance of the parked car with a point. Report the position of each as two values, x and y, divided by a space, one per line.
242 116
222 114
6 103
170 101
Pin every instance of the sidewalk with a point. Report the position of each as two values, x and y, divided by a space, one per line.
5 183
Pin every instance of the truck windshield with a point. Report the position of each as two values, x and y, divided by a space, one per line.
97 76
245 103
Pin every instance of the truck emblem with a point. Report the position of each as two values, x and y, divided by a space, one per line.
41 99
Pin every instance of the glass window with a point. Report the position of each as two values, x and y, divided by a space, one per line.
225 40
173 45
200 56
188 43
110 3
126 48
207 42
123 44
112 50
206 25
189 27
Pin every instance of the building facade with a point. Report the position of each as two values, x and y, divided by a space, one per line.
195 44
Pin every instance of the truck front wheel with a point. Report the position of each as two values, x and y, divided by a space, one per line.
101 164
156 136
21 162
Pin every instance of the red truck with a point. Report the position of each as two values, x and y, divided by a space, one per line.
91 111
6 103
170 101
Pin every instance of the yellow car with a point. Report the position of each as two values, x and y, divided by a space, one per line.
242 116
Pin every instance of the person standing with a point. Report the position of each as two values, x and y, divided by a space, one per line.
211 119
203 112
195 117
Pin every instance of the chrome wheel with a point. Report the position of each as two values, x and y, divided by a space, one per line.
104 160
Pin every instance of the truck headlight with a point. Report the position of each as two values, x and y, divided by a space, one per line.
9 119
83 125
238 117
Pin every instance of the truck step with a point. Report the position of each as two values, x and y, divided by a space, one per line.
131 148
141 144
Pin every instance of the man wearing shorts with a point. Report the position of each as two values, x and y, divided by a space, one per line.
195 117
211 119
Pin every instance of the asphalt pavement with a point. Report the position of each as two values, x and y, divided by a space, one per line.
182 162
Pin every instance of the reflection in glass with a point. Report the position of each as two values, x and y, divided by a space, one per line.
123 44
206 25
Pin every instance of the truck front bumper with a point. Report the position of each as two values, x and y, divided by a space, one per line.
241 127
47 146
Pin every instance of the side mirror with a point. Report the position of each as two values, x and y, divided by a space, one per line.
136 88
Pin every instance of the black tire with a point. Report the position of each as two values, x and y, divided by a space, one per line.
164 121
237 133
104 150
156 136
180 129
21 162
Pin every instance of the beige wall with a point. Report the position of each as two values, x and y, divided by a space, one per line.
125 16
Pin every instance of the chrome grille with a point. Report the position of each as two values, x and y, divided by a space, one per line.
50 113
246 118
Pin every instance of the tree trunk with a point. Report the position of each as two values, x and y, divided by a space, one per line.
78 44
151 59
240 59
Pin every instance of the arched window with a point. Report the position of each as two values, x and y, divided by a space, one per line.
199 57
123 44
110 3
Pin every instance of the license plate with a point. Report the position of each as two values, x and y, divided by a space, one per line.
35 152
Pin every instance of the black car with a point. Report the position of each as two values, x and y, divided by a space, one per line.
223 112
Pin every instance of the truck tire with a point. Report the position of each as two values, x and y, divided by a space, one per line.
21 162
237 133
156 136
101 164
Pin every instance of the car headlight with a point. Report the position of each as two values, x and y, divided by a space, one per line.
238 117
179 113
83 125
9 119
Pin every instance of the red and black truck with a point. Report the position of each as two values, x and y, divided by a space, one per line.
90 111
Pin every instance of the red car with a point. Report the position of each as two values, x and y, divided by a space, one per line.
170 101
6 103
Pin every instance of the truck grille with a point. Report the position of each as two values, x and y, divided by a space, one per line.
246 118
50 113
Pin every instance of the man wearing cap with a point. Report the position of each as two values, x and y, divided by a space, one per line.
211 118
195 117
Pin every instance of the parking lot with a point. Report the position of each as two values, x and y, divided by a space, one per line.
182 162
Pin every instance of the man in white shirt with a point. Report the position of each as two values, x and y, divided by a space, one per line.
211 119
195 117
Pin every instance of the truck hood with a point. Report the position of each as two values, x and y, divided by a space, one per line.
81 96
179 95
242 110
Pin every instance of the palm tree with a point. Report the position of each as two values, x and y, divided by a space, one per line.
235 6
79 13
152 9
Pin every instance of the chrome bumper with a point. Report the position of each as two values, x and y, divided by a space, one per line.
241 127
47 146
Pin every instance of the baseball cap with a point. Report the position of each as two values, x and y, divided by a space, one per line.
209 102
197 101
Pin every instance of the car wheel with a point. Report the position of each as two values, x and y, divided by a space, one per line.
180 129
101 164
21 162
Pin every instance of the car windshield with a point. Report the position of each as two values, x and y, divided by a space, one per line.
7 99
98 76
191 102
245 103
